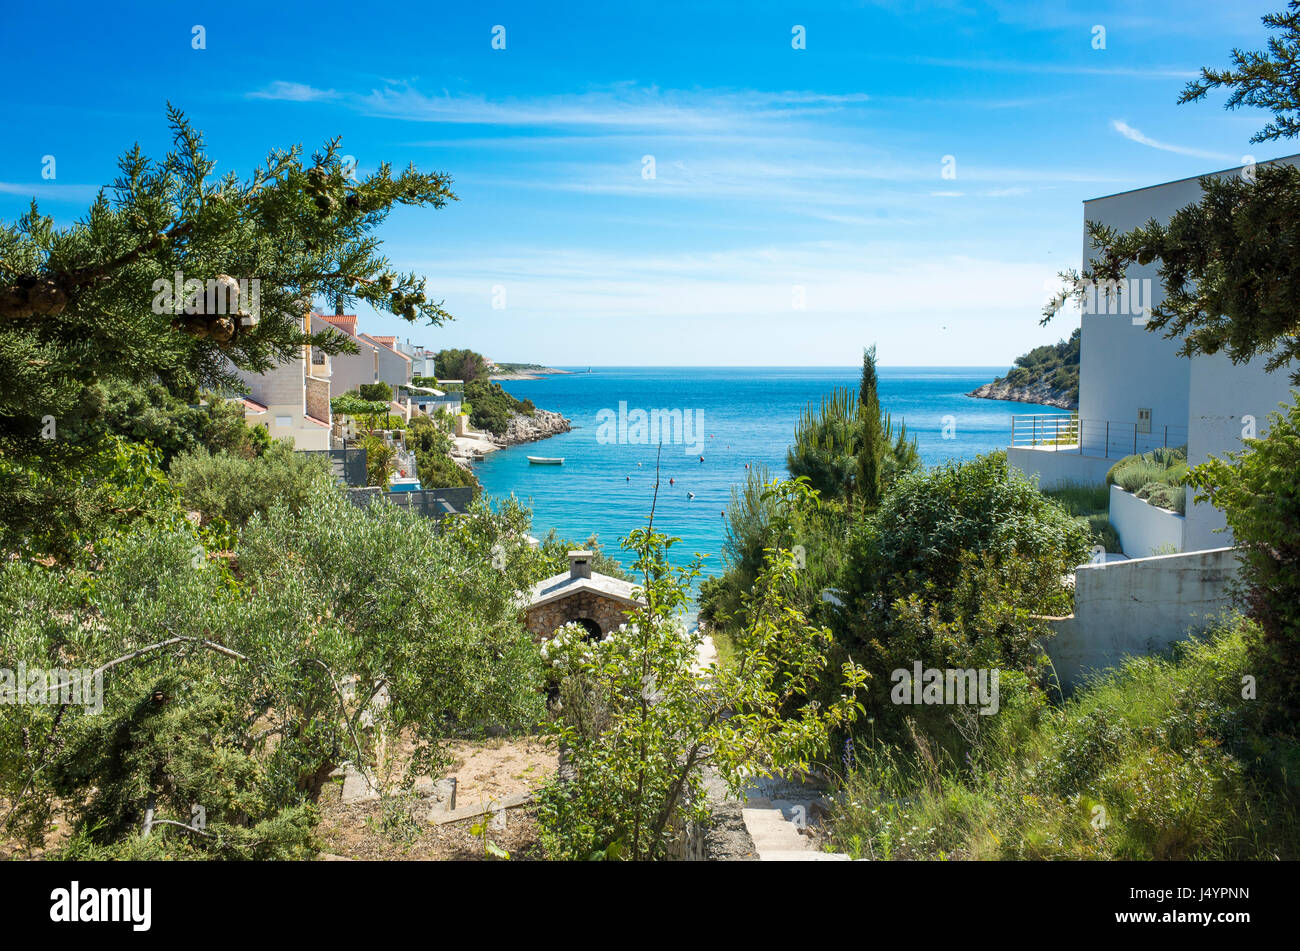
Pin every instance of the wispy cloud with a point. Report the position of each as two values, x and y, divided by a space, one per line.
614 106
47 191
1136 135
1068 69
293 92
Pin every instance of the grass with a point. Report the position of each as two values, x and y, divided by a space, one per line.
1090 506
1160 759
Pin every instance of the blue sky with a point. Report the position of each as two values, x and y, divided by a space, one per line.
778 172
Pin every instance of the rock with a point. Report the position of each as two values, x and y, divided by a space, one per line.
1039 392
523 428
441 793
356 787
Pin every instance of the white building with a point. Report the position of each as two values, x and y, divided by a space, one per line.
292 400
1136 393
422 359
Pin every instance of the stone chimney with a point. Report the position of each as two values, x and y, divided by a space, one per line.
580 564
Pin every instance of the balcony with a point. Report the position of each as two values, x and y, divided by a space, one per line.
1104 439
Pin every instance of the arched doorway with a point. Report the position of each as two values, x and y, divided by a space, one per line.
594 633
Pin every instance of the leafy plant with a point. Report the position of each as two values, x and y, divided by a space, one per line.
633 778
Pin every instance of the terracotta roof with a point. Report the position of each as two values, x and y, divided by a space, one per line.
345 322
312 419
253 405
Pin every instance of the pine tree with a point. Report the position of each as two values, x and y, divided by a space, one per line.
97 301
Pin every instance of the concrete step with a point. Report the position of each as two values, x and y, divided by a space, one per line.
801 856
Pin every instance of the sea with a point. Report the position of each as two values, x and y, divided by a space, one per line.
733 417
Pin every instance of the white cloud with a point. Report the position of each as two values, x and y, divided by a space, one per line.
1136 135
293 92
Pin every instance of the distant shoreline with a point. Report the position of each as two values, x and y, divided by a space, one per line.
525 373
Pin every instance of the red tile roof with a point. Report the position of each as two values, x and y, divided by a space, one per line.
345 322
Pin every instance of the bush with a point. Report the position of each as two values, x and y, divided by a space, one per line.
428 439
956 569
1170 497
1161 759
235 488
236 696
1257 489
490 406
1166 466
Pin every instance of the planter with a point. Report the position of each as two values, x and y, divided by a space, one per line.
1144 529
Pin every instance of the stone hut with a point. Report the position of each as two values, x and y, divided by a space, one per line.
597 602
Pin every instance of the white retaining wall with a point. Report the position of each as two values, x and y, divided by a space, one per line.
1138 607
1143 528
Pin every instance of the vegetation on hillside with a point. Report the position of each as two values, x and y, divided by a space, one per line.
1054 366
1166 758
429 439
238 677
491 406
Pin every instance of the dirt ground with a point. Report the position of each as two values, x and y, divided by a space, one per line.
398 829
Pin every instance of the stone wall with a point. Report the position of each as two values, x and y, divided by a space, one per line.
318 398
608 613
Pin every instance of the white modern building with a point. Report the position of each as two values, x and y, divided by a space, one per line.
1136 393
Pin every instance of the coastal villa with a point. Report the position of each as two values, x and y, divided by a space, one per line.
292 400
376 359
423 362
1137 394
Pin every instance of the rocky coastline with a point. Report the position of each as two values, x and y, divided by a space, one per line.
523 428
1039 392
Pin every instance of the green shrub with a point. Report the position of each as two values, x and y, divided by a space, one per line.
431 443
490 406
1080 499
1258 490
235 488
1160 759
232 692
1165 496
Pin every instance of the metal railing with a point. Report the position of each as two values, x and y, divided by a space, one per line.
348 464
431 503
1088 437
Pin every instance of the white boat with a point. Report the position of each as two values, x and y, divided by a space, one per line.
546 461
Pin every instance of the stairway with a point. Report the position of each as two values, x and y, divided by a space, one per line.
780 826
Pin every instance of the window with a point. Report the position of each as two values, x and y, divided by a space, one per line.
284 421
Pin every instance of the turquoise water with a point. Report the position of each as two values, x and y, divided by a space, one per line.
748 415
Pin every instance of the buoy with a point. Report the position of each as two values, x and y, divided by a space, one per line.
672 481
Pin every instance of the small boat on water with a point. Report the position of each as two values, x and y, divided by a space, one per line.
546 460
